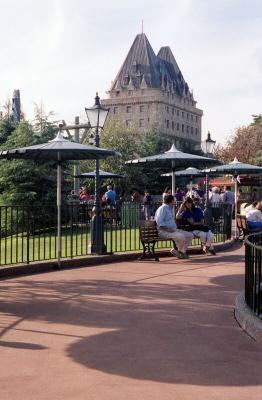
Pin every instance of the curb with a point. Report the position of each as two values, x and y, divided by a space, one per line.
88 261
247 320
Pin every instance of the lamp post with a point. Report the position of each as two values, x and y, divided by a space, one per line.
208 147
97 116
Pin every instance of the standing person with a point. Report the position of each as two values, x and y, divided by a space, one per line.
228 197
166 192
167 228
194 216
147 204
214 196
215 199
110 195
240 199
179 195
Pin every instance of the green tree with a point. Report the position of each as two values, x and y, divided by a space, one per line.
6 128
22 181
245 144
131 144
43 124
257 119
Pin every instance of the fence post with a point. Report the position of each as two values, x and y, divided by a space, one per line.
28 235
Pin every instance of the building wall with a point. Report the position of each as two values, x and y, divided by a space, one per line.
175 116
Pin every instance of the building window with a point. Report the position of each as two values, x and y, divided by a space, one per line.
182 114
130 92
141 123
128 109
192 130
173 111
191 117
187 116
196 118
173 125
128 123
177 113
177 126
142 108
196 131
167 123
167 110
142 92
187 129
115 110
182 127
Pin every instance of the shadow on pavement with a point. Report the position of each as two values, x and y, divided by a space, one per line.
172 332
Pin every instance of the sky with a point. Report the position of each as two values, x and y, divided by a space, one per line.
61 52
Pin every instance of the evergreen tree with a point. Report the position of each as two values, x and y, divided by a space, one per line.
25 181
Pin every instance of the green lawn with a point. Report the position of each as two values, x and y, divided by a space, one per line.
18 249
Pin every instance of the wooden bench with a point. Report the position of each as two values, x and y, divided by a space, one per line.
149 237
243 228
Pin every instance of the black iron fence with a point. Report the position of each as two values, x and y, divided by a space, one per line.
28 234
253 270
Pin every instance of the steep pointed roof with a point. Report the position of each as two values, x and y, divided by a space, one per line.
141 62
143 68
174 73
165 53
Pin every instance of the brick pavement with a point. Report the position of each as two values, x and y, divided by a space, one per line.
129 330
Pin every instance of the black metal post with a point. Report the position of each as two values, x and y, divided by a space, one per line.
97 227
207 211
77 163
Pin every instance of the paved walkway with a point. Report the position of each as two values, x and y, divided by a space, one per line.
140 331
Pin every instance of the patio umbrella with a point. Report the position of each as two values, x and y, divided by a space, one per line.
174 159
235 168
189 172
59 150
102 174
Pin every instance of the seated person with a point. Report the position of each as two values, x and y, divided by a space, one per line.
110 195
248 207
167 228
254 217
194 216
166 192
136 197
85 195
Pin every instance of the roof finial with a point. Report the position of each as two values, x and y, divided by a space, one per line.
142 26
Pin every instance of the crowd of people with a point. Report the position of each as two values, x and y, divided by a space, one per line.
190 212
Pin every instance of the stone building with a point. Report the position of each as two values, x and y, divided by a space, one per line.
150 90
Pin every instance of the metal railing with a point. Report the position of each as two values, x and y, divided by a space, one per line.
253 270
28 234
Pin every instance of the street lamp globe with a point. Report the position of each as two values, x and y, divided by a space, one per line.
208 144
97 114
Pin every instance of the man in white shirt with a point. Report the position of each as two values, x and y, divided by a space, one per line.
167 228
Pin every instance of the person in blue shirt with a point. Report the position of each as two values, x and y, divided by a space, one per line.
110 195
167 228
194 216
